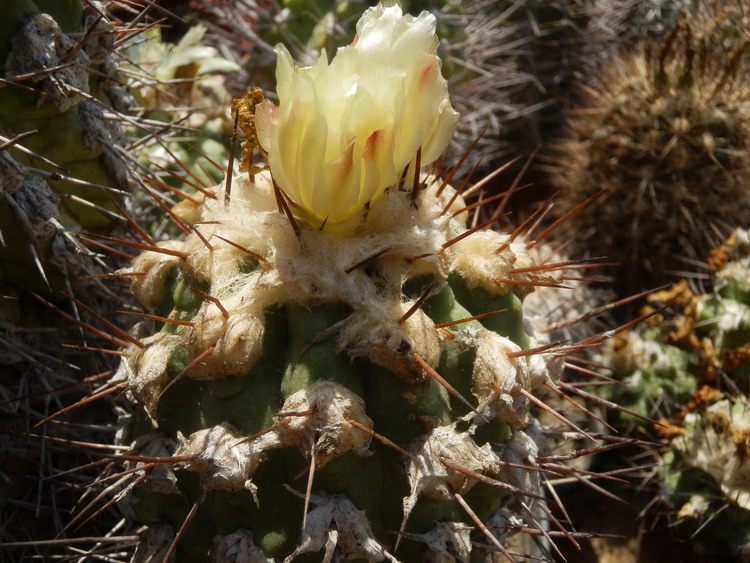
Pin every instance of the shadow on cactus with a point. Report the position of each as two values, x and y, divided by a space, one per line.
663 132
334 359
63 166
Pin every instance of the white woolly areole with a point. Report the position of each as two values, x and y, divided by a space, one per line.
237 341
430 477
522 450
250 256
738 267
638 355
498 379
146 369
735 270
447 542
731 314
477 259
223 463
543 367
314 269
325 429
554 313
237 547
376 332
161 478
189 210
151 270
336 524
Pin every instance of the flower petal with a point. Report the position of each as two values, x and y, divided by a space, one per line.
344 132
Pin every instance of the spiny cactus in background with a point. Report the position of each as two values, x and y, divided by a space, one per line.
706 476
61 171
706 471
616 23
61 166
165 76
340 364
64 172
698 340
655 377
691 372
663 132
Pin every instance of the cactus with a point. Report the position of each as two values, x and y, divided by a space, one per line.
662 135
339 363
698 340
60 160
655 377
706 475
64 174
619 22
688 369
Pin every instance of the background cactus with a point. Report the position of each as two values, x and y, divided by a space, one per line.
689 371
699 341
663 134
656 377
62 168
705 473
181 85
61 171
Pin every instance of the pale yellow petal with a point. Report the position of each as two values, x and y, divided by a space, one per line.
344 132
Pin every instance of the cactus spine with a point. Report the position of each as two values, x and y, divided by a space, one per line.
61 171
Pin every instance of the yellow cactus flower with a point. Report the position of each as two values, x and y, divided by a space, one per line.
344 132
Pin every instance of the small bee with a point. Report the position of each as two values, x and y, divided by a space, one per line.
244 112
